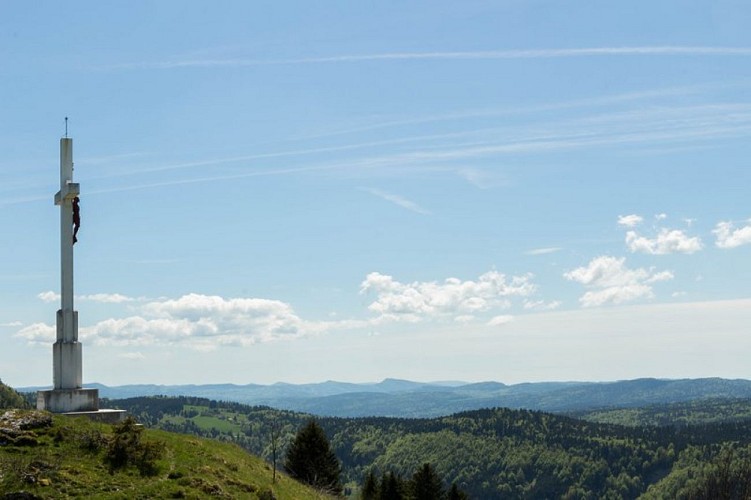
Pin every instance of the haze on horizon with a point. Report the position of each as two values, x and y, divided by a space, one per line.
508 191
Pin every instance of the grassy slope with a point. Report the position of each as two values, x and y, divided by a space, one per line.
59 465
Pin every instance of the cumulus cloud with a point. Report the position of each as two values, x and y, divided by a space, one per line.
666 242
197 321
632 220
729 237
38 333
207 322
12 324
107 298
49 296
541 305
610 281
453 297
500 320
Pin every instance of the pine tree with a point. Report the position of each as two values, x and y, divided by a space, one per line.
456 494
426 484
392 487
310 459
369 487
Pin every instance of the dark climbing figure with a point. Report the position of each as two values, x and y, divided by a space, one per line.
76 218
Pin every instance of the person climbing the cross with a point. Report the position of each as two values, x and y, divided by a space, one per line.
76 218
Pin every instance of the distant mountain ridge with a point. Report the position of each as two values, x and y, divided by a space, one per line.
404 398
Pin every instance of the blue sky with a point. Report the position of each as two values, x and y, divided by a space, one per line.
297 191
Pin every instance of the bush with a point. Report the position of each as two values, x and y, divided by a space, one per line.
266 495
125 448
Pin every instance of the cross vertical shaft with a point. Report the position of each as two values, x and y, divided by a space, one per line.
66 229
67 352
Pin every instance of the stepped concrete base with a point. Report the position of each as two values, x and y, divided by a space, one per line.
68 400
105 416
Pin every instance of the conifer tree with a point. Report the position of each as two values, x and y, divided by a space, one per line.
456 494
426 484
311 460
392 487
369 487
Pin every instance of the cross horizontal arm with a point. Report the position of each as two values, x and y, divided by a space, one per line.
68 192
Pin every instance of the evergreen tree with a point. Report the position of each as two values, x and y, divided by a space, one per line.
369 487
392 487
456 494
311 460
426 484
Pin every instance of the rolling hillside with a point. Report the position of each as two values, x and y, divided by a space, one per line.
491 453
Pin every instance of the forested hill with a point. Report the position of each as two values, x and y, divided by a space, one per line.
9 398
699 411
403 398
492 453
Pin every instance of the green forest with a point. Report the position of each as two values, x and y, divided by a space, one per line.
501 453
9 398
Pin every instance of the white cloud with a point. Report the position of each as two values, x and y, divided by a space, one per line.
541 305
398 201
197 321
730 237
49 296
610 281
107 298
500 320
668 241
632 220
661 276
453 297
661 216
38 333
464 318
616 295
12 324
543 251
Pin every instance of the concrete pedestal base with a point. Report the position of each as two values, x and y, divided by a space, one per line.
68 400
105 416
67 353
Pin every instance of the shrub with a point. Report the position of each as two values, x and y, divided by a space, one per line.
126 448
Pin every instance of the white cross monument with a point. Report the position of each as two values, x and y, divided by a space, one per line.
67 394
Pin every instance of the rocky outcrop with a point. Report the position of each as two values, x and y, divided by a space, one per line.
16 426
